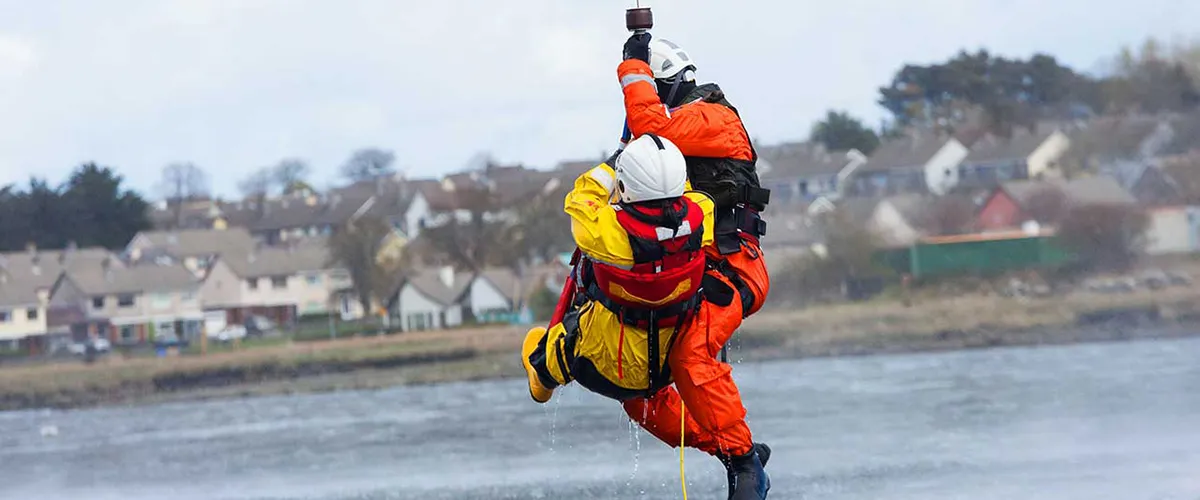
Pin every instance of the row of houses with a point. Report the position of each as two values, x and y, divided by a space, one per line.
176 285
409 205
1124 147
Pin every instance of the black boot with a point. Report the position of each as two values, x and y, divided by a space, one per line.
764 453
747 479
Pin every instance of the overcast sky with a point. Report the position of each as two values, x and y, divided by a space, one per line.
236 84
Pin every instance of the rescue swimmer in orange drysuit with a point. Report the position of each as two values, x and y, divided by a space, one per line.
662 97
650 309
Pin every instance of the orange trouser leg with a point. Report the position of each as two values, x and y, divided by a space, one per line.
660 417
706 384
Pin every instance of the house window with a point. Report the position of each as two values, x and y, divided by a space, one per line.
252 283
279 282
160 301
5 316
125 300
188 296
419 321
804 187
313 279
31 314
128 333
98 302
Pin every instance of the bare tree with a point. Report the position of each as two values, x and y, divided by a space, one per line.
473 241
257 184
182 182
1048 205
1104 236
951 215
356 247
368 163
291 175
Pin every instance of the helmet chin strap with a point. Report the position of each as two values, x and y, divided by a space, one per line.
677 81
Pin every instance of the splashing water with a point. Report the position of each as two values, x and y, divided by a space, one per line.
554 421
635 439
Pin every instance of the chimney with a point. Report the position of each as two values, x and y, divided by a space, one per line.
106 265
446 274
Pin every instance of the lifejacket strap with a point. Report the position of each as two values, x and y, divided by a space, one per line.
640 318
755 197
566 344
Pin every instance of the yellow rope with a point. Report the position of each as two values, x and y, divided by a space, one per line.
682 440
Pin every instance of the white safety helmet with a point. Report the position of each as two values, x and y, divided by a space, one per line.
650 168
668 60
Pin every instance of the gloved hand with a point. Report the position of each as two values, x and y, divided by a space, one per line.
637 47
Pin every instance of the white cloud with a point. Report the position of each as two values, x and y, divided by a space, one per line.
16 56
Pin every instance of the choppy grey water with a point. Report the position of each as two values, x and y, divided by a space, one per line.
1100 421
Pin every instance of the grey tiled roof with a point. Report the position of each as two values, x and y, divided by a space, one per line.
113 279
24 273
1080 191
799 159
430 284
198 242
909 152
309 255
1019 146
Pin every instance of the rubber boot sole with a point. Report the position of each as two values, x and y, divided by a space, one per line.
538 392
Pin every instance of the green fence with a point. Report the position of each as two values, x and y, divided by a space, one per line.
974 255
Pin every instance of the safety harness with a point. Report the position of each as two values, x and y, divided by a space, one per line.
661 289
733 184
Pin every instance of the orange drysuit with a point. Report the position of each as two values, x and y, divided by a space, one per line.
721 162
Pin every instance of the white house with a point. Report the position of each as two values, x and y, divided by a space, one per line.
430 299
1173 229
495 294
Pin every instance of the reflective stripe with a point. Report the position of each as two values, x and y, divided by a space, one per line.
628 80
601 175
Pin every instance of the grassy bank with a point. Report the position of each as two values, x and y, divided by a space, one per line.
362 363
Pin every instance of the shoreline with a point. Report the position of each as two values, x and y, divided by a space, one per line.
491 353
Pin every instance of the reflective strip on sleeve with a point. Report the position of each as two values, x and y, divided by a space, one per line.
601 175
628 80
